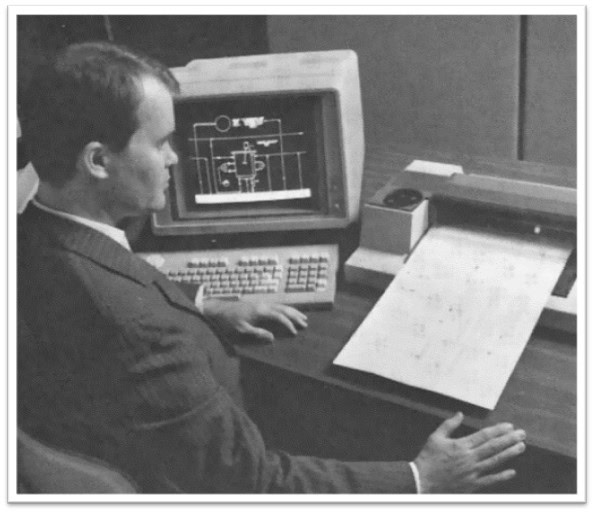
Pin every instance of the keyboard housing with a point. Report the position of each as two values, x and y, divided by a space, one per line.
303 276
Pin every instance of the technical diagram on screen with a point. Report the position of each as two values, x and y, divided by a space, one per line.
247 159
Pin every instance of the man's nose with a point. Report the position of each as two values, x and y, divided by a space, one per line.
172 157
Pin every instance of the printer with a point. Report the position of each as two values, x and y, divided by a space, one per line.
399 214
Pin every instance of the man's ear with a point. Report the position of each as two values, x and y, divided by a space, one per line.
92 159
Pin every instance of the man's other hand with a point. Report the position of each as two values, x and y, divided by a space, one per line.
462 465
247 318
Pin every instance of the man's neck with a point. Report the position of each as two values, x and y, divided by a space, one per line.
73 200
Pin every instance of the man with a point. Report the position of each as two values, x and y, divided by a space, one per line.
120 364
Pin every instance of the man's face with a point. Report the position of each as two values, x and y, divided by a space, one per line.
139 174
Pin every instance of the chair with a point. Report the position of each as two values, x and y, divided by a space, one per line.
43 469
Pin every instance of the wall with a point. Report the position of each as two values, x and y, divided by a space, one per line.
496 86
176 40
549 133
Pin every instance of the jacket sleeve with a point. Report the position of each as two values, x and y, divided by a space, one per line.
190 437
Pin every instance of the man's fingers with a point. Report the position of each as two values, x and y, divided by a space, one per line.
450 425
259 333
501 456
500 443
284 320
488 433
293 314
492 479
285 315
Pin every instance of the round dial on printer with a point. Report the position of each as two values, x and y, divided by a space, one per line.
405 199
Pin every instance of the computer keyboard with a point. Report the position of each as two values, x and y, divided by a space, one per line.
295 275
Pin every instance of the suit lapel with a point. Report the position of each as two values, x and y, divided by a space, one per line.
174 294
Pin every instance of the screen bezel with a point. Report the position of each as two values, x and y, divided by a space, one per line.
178 219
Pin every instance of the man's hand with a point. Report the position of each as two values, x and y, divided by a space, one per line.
461 465
244 317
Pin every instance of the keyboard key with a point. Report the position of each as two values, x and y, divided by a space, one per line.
322 284
296 288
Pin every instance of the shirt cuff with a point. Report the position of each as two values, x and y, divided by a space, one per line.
199 299
415 472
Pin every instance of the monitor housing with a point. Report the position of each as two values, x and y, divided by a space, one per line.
266 143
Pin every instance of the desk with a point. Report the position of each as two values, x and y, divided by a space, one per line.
366 417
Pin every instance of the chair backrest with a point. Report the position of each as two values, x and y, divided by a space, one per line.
48 470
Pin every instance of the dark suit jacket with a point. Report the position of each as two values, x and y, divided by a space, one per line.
121 366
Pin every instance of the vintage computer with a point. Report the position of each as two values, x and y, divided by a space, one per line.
271 153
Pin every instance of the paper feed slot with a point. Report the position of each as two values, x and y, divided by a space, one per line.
449 210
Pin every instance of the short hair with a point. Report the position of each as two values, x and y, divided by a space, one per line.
88 92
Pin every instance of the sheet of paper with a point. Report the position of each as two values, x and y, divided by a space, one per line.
434 168
457 317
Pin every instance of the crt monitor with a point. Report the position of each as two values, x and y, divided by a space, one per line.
266 143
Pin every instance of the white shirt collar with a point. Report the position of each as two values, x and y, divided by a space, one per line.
111 231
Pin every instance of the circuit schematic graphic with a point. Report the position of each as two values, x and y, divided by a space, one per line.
247 159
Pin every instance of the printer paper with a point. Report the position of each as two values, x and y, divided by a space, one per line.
457 317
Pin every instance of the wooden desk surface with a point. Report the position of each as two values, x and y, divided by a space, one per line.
540 396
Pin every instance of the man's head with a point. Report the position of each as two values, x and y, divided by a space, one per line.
104 111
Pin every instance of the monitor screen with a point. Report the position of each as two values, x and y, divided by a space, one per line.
252 155
266 143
